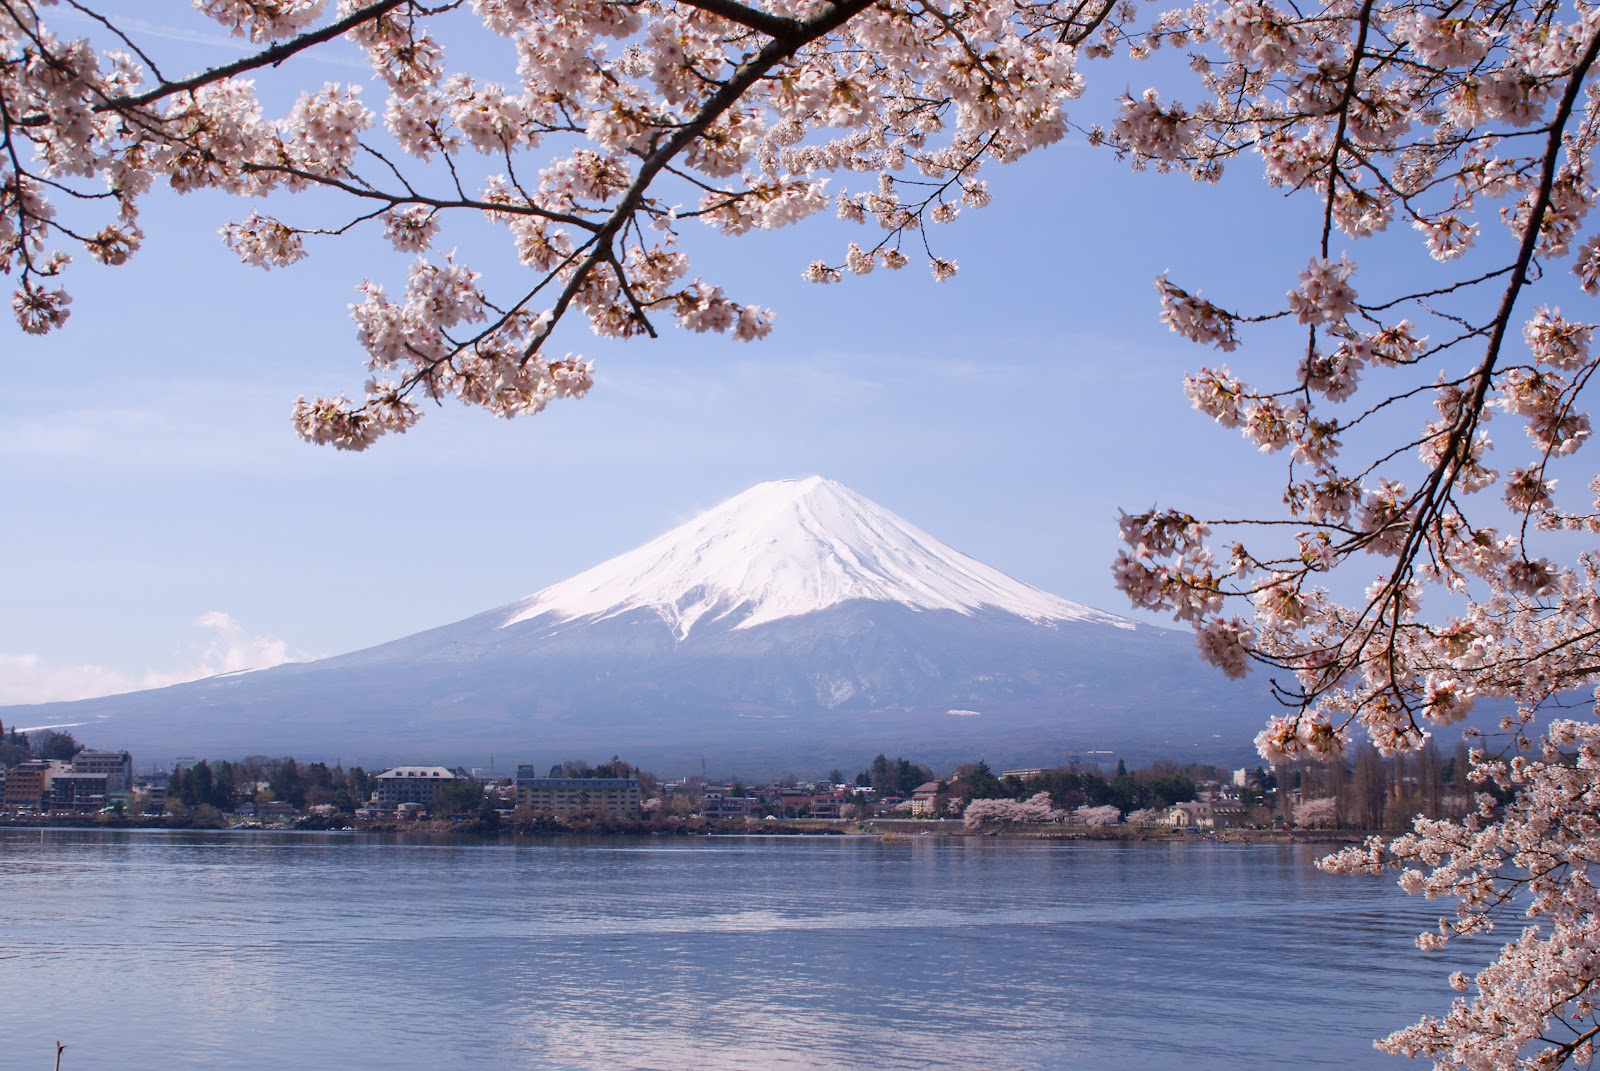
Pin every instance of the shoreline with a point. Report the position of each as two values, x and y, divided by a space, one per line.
887 830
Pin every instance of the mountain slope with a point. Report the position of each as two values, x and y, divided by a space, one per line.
796 623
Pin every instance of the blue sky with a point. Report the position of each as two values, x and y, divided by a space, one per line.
151 476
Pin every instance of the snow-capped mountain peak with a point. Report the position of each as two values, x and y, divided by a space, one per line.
787 548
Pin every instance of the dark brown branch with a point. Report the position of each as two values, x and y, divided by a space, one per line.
749 73
1344 121
775 27
270 57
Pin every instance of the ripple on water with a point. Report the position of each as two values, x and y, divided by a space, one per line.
219 952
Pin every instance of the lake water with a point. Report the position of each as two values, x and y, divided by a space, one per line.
176 951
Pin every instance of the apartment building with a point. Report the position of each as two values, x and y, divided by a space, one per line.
578 795
411 784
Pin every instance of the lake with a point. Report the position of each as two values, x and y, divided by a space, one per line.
173 951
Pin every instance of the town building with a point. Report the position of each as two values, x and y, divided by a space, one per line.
411 784
925 800
78 792
27 787
154 793
827 804
117 766
578 795
1227 804
1196 814
793 802
724 805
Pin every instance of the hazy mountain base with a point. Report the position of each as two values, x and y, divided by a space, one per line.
800 693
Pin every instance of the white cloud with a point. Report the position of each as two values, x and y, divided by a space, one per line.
207 35
224 646
24 678
232 649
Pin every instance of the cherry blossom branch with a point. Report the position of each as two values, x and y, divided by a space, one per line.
269 57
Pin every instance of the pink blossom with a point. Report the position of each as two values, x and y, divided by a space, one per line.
1324 294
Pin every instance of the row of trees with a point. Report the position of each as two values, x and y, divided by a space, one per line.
1369 790
225 785
649 783
17 746
1159 785
259 779
1037 810
886 777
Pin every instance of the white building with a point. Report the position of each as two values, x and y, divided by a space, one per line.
411 784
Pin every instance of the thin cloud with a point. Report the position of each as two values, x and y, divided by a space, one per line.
225 646
137 28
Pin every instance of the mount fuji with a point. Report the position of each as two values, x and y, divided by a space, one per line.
794 625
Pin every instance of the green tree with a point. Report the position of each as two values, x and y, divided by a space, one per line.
13 749
897 778
464 795
288 783
1174 788
198 784
488 817
361 785
1126 791
209 817
203 785
58 745
977 781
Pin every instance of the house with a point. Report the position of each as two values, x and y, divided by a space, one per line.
1227 808
1195 814
792 802
411 784
827 804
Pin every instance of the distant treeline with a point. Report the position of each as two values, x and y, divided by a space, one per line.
261 780
1159 785
18 747
1374 791
258 779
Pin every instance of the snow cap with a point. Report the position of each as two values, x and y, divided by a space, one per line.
787 548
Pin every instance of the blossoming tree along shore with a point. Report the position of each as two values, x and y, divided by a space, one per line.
1472 124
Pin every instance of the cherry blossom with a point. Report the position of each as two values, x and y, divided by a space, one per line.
626 127
1095 817
1034 810
1316 812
